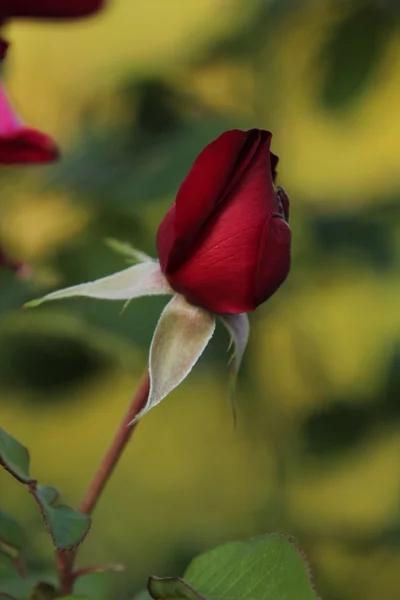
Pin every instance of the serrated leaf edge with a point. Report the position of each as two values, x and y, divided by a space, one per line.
33 491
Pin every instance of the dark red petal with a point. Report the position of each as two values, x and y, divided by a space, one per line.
221 273
197 197
274 163
166 238
20 144
212 178
3 48
207 180
284 200
27 146
274 258
50 9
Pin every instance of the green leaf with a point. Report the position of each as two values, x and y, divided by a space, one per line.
8 570
143 595
95 585
10 531
44 591
48 492
67 527
144 279
172 587
181 335
14 457
269 567
11 583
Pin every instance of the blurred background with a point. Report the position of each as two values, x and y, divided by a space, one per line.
133 95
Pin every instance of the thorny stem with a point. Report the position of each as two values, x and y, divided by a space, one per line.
65 559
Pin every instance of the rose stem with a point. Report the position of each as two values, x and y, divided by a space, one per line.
65 560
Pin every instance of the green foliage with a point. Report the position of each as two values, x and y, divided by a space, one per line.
337 428
143 595
10 531
269 567
67 527
351 57
47 494
39 362
8 569
14 457
391 393
144 159
172 587
44 591
343 235
11 582
13 292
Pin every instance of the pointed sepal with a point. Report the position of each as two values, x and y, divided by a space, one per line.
144 279
239 330
179 340
128 251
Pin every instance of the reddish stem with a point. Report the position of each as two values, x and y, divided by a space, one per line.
96 569
65 560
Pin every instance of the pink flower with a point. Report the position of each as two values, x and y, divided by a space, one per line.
20 144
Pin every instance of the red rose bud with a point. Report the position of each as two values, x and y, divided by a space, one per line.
50 9
20 144
225 242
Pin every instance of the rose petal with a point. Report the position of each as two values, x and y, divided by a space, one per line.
213 176
221 274
20 144
274 258
28 146
50 9
166 238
